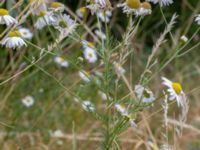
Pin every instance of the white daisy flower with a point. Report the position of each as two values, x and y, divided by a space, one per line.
175 91
14 40
90 55
57 133
124 112
56 6
100 34
5 18
197 19
99 5
28 101
104 16
136 7
81 12
26 33
61 61
153 145
119 69
89 52
45 18
144 94
88 106
38 7
84 75
65 24
184 38
121 109
162 2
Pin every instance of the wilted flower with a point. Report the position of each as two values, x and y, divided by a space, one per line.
88 106
14 40
28 101
84 75
5 18
61 61
44 18
175 91
197 19
162 2
136 7
26 33
81 12
144 94
104 16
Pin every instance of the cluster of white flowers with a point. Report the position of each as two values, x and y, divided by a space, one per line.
136 7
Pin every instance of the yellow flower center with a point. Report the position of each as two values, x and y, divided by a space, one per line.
146 94
62 59
90 44
63 24
133 3
56 5
83 10
14 34
42 13
146 5
3 12
177 87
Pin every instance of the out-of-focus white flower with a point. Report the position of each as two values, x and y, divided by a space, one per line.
99 5
88 106
57 6
14 40
90 55
44 18
104 97
175 91
65 24
61 61
5 18
28 101
100 34
184 38
89 51
38 7
144 94
84 75
104 16
162 2
118 69
57 133
26 33
152 145
136 7
121 109
197 19
81 12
